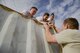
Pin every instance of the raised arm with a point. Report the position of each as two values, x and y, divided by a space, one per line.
50 38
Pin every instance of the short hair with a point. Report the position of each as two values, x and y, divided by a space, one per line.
72 22
52 14
34 8
46 14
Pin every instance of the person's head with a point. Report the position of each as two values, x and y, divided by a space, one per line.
33 10
71 23
51 16
45 16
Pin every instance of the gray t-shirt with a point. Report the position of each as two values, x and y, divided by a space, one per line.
70 39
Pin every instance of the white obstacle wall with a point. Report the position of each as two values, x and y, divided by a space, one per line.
20 35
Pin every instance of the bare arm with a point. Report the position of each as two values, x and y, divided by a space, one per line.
57 31
50 38
53 27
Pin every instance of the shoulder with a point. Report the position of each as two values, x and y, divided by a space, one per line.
25 12
39 18
69 32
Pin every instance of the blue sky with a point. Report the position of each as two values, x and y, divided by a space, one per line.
61 8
